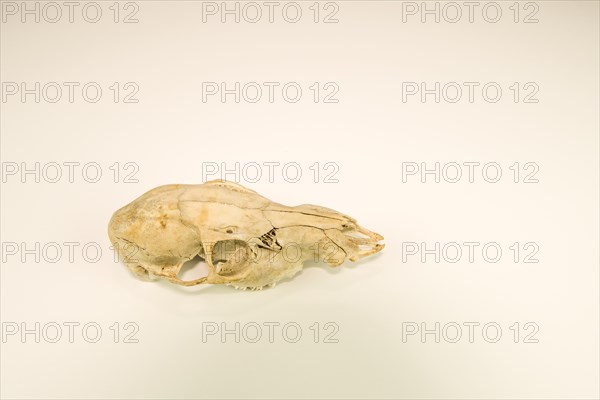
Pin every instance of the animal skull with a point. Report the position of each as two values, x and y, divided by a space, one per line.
246 240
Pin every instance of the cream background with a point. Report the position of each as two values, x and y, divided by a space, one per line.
170 132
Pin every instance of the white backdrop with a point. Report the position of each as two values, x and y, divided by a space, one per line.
487 287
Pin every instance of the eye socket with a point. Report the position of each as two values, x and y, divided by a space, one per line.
229 230
229 257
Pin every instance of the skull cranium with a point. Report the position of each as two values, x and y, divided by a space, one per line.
246 240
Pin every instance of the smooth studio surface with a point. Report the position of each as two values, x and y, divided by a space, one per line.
472 147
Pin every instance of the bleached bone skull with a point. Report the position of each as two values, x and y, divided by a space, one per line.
246 240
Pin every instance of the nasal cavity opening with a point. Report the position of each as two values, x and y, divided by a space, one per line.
358 235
